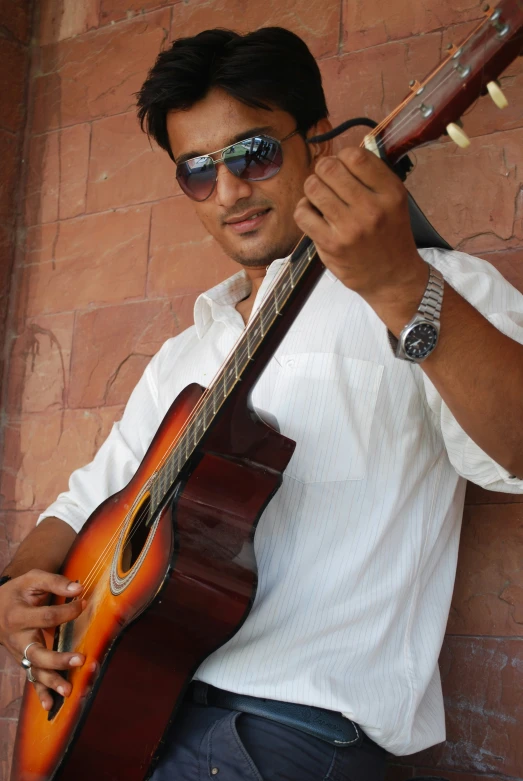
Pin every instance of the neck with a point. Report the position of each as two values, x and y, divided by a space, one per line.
256 276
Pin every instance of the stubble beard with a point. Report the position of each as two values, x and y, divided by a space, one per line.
264 256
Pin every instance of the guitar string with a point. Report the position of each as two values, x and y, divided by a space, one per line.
244 357
235 351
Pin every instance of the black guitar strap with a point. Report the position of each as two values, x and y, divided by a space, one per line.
425 235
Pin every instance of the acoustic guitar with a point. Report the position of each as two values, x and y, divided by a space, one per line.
167 563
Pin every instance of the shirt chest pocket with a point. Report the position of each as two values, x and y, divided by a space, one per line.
326 403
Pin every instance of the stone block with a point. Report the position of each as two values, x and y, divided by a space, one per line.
112 346
373 82
11 689
60 19
124 168
43 179
483 688
16 18
114 63
13 70
41 451
8 180
473 196
39 365
98 259
40 243
488 594
7 741
184 258
17 527
366 25
74 165
116 10
316 21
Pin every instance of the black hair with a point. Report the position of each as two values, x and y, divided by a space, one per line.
264 68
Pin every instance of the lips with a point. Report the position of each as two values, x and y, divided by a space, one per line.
247 222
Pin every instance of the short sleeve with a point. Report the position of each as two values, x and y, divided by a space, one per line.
117 459
487 290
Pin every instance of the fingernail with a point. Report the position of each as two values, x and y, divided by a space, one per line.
75 661
60 690
74 586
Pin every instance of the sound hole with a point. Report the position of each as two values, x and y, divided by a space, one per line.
137 535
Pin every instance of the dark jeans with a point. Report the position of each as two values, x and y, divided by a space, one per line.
224 745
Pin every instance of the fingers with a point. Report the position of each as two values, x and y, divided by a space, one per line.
368 169
37 581
42 657
44 668
23 616
52 680
310 222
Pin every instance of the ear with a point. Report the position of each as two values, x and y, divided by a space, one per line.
323 149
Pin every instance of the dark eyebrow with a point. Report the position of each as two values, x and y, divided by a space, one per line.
253 131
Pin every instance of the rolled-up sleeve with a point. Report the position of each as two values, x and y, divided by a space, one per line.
485 288
117 459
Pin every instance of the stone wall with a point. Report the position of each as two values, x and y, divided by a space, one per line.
114 258
15 30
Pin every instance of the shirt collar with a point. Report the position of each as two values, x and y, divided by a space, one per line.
216 304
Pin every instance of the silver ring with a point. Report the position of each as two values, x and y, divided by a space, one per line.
35 642
26 663
30 676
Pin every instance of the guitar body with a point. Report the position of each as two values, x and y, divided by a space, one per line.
188 584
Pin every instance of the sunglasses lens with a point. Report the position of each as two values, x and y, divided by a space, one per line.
197 177
254 158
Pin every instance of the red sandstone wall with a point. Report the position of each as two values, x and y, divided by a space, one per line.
15 29
114 259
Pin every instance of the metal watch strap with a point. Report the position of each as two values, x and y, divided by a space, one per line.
430 305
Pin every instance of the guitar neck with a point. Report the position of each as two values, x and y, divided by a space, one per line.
247 361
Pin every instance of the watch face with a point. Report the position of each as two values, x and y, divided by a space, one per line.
420 341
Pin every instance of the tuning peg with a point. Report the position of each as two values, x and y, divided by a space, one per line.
458 135
497 95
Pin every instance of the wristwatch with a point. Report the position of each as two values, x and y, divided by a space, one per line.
420 336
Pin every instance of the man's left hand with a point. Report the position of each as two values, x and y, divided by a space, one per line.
355 210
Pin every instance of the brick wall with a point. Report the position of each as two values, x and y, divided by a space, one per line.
114 259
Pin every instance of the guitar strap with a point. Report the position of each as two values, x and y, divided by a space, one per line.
425 235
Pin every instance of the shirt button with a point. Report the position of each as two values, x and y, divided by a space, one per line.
215 771
290 363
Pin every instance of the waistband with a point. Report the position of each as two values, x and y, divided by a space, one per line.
321 723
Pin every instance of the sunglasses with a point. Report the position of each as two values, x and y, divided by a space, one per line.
253 159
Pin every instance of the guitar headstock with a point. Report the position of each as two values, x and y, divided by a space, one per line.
434 106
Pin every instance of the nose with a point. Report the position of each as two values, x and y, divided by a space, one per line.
230 188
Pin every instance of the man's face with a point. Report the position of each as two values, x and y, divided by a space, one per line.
252 221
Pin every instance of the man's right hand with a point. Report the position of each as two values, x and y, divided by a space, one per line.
25 612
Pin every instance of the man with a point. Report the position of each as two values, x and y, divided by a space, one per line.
357 551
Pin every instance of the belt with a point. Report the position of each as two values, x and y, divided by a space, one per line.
320 723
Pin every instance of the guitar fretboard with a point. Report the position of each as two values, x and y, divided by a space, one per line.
230 374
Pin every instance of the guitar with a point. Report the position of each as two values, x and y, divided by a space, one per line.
160 562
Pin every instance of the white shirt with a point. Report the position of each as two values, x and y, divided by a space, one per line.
357 550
